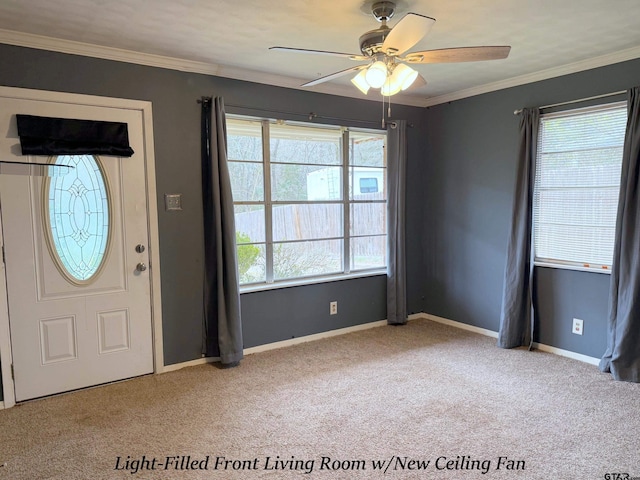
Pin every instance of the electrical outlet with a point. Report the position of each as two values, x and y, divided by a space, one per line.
578 326
333 308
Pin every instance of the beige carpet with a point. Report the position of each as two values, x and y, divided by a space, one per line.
448 400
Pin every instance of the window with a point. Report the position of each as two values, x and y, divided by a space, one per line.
77 217
310 201
577 183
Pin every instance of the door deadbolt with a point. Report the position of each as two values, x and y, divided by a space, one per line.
140 248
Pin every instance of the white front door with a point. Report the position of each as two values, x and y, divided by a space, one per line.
76 321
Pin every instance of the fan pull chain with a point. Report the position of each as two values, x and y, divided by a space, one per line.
388 110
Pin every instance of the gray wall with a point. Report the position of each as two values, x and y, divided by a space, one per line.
268 316
470 170
460 181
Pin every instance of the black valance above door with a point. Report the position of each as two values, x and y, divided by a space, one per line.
65 136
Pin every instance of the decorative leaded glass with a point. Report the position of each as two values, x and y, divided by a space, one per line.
77 219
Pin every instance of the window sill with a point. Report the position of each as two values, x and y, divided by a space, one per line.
299 282
577 268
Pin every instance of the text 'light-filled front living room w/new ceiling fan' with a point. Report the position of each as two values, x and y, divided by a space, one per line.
385 50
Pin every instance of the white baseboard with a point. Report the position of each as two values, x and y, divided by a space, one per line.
566 353
191 363
341 331
490 333
1 405
460 325
276 345
311 338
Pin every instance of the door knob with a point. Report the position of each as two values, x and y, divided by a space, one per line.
141 267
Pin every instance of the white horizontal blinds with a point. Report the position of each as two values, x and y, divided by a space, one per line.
576 186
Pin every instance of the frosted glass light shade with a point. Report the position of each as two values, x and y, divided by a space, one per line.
360 81
390 87
404 75
376 74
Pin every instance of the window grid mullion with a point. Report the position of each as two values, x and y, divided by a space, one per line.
268 204
346 216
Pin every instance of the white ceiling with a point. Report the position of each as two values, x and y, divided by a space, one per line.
231 37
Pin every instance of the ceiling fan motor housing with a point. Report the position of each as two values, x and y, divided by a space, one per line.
371 42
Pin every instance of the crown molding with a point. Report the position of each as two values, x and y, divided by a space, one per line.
588 64
128 56
72 47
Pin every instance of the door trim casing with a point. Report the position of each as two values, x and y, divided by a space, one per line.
152 226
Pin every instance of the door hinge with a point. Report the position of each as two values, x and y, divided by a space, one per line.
3 261
13 373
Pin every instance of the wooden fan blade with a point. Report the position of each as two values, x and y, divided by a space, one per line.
351 56
462 54
333 75
406 33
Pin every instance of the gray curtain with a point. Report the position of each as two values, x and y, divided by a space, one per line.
622 357
516 316
222 325
396 265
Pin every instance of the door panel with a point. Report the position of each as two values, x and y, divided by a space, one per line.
68 335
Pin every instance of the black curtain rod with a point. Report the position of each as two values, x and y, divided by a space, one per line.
10 162
309 116
579 100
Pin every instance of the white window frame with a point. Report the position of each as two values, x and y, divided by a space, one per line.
346 202
562 263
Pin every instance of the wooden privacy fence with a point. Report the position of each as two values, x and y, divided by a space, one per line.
318 221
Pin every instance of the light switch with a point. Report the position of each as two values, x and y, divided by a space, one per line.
172 201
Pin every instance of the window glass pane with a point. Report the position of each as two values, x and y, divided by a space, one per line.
247 184
307 221
78 217
368 252
366 149
251 263
249 223
577 183
305 182
244 140
367 183
368 219
294 144
303 259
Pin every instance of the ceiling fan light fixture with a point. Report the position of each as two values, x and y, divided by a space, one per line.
400 79
376 74
360 81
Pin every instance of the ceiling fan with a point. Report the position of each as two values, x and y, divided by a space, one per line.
385 51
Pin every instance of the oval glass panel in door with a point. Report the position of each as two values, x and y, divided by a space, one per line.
77 214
